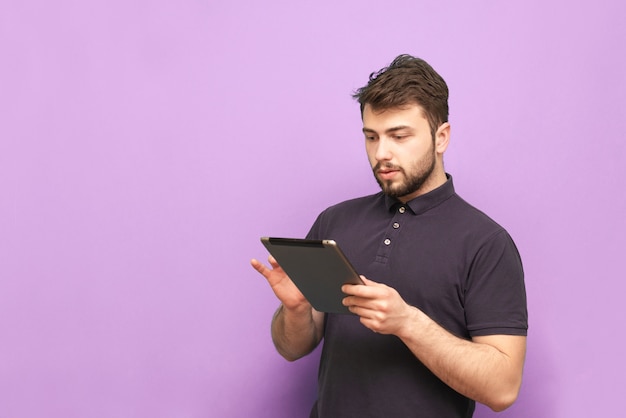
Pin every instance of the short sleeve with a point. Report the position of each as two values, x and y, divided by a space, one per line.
495 297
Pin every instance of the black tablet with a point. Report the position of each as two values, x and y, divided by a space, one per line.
317 267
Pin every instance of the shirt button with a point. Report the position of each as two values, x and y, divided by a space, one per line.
396 225
387 241
402 209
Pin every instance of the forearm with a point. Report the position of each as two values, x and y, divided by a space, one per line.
480 371
295 332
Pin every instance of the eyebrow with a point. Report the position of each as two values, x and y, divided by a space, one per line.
388 131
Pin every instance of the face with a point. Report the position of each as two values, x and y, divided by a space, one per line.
407 161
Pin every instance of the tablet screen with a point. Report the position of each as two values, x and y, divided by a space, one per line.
317 267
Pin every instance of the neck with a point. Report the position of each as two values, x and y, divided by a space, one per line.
436 179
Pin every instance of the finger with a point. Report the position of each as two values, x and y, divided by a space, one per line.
273 262
363 312
356 302
260 267
369 291
351 289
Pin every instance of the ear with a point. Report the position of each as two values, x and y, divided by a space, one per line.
442 138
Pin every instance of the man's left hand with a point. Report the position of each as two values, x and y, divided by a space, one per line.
380 307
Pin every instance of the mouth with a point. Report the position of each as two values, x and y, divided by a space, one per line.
386 173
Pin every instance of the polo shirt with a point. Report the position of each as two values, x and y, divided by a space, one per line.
443 256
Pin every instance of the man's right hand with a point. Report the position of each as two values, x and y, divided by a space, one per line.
284 289
297 328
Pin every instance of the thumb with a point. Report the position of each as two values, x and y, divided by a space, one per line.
367 281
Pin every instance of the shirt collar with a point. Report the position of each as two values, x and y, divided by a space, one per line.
426 201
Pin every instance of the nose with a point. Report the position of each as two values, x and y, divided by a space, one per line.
383 150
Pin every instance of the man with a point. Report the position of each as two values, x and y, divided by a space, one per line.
441 320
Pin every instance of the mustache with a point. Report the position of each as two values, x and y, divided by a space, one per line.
387 166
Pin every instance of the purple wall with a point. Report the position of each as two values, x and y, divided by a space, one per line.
145 146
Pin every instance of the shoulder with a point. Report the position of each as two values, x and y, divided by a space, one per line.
466 224
363 202
349 212
459 209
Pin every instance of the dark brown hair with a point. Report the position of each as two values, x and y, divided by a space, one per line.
407 80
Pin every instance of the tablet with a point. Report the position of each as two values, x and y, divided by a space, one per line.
317 267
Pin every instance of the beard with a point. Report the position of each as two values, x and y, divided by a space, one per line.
412 181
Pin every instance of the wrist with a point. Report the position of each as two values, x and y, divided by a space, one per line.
300 309
414 321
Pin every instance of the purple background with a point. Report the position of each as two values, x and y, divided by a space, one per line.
145 146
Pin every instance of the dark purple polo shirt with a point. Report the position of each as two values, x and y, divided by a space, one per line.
443 256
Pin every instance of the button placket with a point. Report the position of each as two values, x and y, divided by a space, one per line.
392 232
395 225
